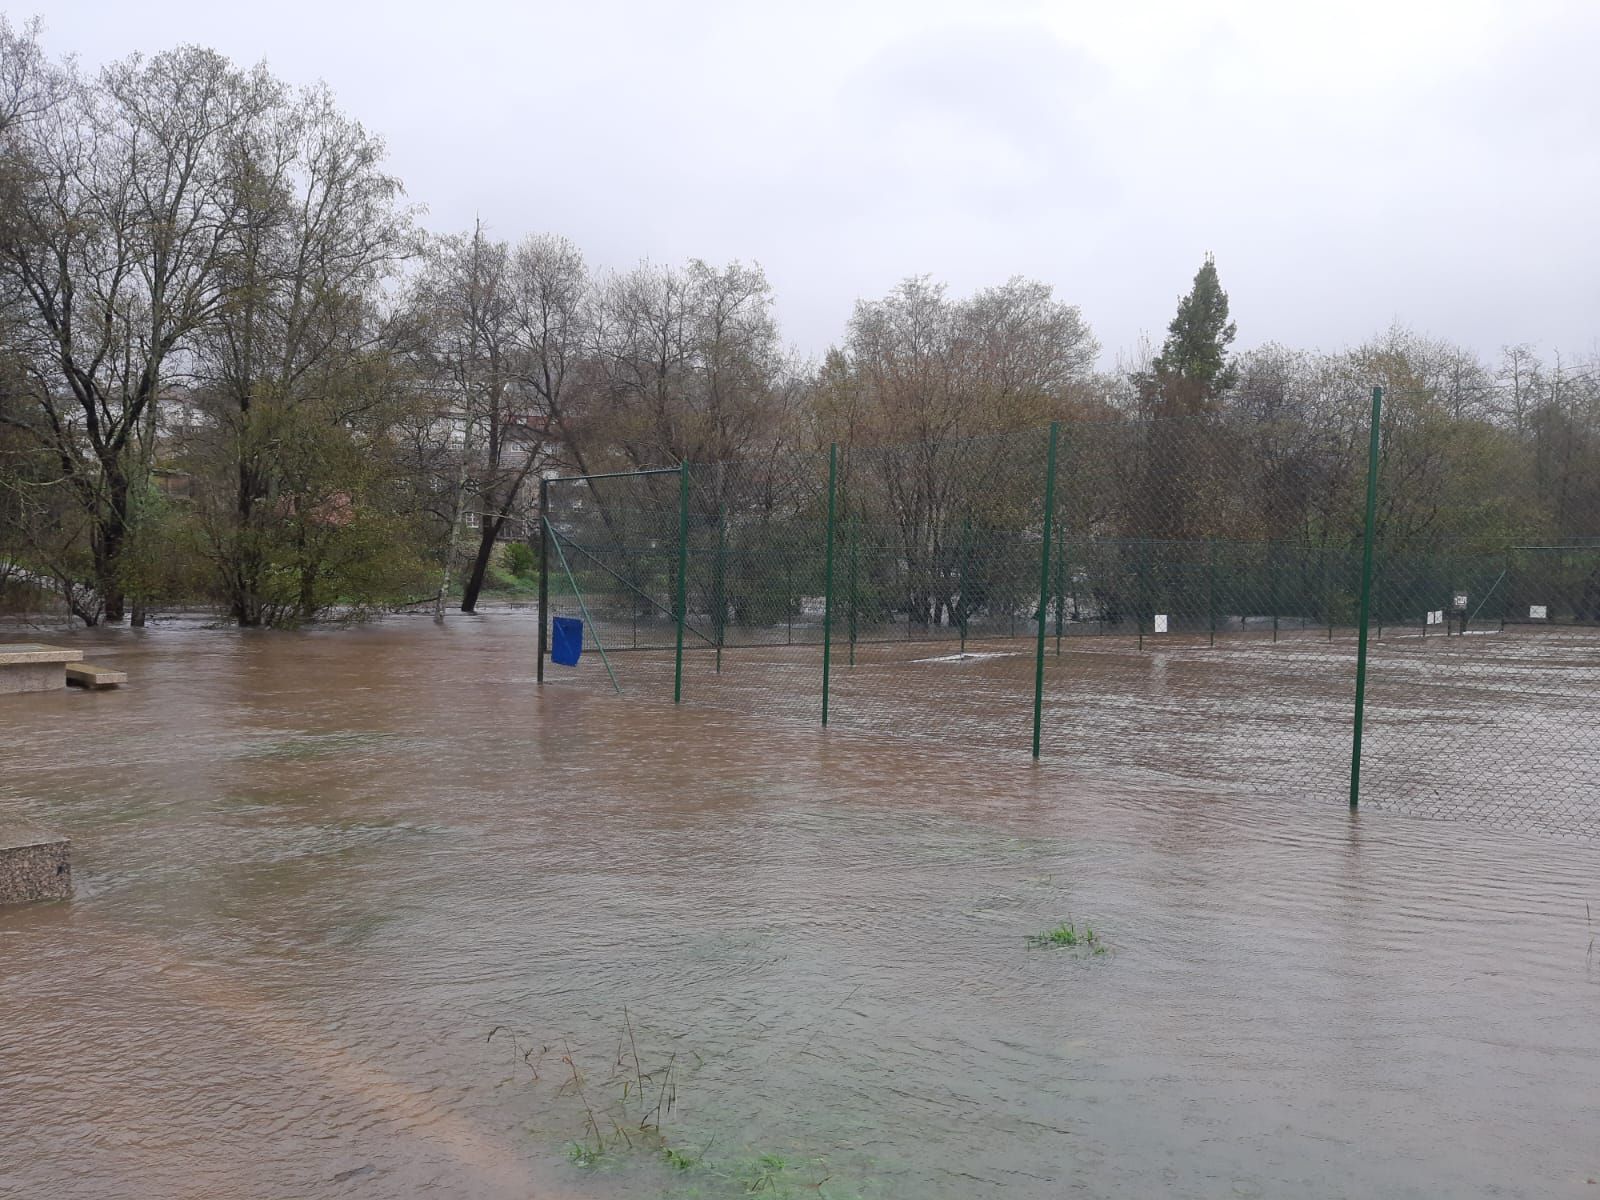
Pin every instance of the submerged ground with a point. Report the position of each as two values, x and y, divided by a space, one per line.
316 872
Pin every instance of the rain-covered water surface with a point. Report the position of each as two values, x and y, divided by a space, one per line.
317 871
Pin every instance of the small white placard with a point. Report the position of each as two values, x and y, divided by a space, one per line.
1161 622
1538 612
1461 599
1436 617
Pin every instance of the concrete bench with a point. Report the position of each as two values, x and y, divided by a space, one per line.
31 667
89 675
33 865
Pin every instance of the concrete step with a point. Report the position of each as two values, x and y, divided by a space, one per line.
89 675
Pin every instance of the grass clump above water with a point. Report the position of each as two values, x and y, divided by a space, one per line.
624 1109
1068 936
680 1160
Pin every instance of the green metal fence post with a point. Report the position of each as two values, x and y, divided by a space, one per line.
1144 588
721 586
827 579
683 577
1211 588
964 566
1366 599
1453 569
544 576
1272 584
1327 593
1044 586
1505 599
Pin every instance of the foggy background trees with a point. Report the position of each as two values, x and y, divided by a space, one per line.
235 372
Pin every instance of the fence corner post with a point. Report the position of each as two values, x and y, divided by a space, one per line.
719 584
544 575
1366 599
827 578
1044 585
683 577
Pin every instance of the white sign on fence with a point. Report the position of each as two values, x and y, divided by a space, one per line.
1538 612
1461 600
1436 617
1161 622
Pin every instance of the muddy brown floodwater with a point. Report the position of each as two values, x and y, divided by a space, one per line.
317 871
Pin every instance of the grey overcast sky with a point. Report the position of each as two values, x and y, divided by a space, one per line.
1350 164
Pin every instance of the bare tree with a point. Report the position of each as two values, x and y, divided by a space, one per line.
685 365
317 228
501 347
922 375
113 256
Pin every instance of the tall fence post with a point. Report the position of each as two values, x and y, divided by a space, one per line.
1211 591
1366 599
827 579
1327 592
683 577
963 566
1144 588
544 575
721 587
1272 585
1044 586
1505 598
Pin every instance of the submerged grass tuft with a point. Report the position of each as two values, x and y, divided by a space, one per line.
761 1174
679 1160
1068 935
584 1155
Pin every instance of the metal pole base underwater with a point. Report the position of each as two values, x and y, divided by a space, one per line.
1366 600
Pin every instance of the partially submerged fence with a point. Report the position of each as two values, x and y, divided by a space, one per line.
1108 594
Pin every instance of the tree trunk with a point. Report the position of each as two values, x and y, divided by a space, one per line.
247 567
111 536
487 537
310 576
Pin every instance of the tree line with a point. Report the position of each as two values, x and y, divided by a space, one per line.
235 370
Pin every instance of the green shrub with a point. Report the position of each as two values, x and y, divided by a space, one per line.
520 559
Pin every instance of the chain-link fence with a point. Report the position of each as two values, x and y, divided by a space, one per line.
737 548
1135 598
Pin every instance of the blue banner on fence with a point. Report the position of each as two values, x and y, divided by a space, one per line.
566 641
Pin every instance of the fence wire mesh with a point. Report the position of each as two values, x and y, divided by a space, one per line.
1192 612
1483 678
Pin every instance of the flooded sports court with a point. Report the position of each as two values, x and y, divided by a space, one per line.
365 912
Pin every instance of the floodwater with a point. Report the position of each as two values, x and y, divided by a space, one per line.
1497 726
347 899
